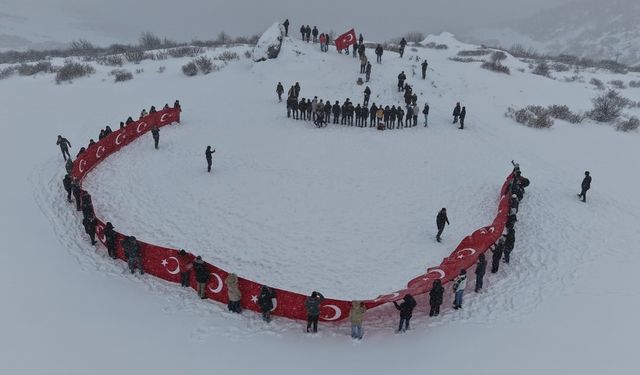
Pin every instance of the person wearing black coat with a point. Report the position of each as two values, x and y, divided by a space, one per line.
441 220
87 205
279 91
463 114
372 115
336 112
314 32
497 251
307 31
77 194
360 40
481 269
110 238
406 311
155 132
64 146
367 95
202 276
134 253
367 71
303 31
90 224
435 298
456 113
403 44
379 52
208 154
327 111
425 64
586 185
265 301
286 27
401 78
67 182
509 243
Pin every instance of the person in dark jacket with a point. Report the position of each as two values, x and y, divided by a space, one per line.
202 276
463 114
424 65
514 202
406 311
110 239
367 95
307 32
279 91
456 113
68 186
90 224
134 254
80 152
509 244
77 194
155 132
401 78
286 27
327 112
208 154
403 44
129 121
481 269
441 220
314 32
367 71
425 112
372 114
68 165
336 112
435 298
400 114
586 185
64 146
87 204
497 250
265 301
379 52
186 265
312 305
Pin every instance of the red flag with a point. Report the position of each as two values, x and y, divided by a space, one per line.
345 40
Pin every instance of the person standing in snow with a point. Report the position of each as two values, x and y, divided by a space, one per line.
322 39
303 31
363 63
463 114
459 284
379 52
436 295
234 294
403 44
110 239
312 305
64 146
279 91
424 65
90 224
327 111
425 113
208 154
441 220
308 33
132 251
406 311
514 202
186 265
367 71
68 165
286 27
265 301
497 250
481 269
87 205
67 183
456 113
401 78
367 95
336 112
155 132
356 315
76 190
586 185
314 32
509 243
360 40
202 276
400 113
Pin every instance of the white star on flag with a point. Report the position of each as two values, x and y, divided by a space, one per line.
164 262
254 299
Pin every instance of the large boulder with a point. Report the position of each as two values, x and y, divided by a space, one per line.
269 44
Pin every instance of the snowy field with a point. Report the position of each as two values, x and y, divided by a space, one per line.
343 210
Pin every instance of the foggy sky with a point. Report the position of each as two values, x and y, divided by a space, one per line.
124 20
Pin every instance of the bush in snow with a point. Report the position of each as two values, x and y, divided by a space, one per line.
7 72
618 84
464 59
518 50
634 84
134 56
186 51
628 125
149 40
562 112
113 60
494 64
436 46
139 70
542 69
248 54
476 52
81 46
205 64
190 69
121 75
31 69
597 83
533 116
608 107
71 70
560 67
227 56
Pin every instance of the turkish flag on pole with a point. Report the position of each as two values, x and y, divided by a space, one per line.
345 40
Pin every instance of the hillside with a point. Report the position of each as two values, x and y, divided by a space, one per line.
344 210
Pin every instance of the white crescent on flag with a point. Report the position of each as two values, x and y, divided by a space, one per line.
174 271
337 313
220 284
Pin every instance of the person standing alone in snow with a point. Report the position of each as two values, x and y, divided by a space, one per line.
425 112
586 185
456 113
312 305
155 132
279 91
425 64
286 27
441 220
208 153
459 285
64 146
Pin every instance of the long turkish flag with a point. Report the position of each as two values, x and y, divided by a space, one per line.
345 40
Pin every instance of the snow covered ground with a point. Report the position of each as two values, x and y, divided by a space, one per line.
346 211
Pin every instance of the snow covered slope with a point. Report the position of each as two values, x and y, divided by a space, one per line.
347 211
